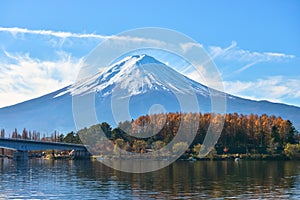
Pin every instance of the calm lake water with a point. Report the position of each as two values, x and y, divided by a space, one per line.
46 179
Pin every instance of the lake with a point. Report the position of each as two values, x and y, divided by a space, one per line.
61 179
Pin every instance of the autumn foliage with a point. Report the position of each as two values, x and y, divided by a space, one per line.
240 133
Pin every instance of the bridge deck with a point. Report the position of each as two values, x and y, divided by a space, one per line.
30 145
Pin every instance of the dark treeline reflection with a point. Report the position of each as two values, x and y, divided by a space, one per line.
197 179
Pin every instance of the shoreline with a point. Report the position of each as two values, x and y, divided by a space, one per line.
191 159
184 157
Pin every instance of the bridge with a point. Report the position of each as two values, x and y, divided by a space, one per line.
22 146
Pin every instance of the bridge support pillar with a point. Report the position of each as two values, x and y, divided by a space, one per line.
20 155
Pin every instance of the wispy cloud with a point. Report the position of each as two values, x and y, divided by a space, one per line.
15 31
277 88
23 77
245 67
216 51
233 52
187 46
60 34
250 58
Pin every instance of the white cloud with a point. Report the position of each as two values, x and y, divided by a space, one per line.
60 34
275 89
233 53
23 77
187 46
246 67
216 51
206 76
15 31
59 37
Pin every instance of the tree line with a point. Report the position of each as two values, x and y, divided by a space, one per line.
32 135
240 134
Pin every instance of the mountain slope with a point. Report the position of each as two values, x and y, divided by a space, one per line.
141 79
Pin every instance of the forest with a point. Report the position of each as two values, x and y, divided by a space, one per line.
241 134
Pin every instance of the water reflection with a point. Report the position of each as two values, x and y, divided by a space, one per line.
207 179
93 180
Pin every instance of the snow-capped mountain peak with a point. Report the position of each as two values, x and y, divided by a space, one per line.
146 82
137 74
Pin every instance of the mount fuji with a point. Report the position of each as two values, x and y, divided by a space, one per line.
141 81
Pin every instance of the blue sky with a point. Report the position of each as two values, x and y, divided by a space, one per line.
255 44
